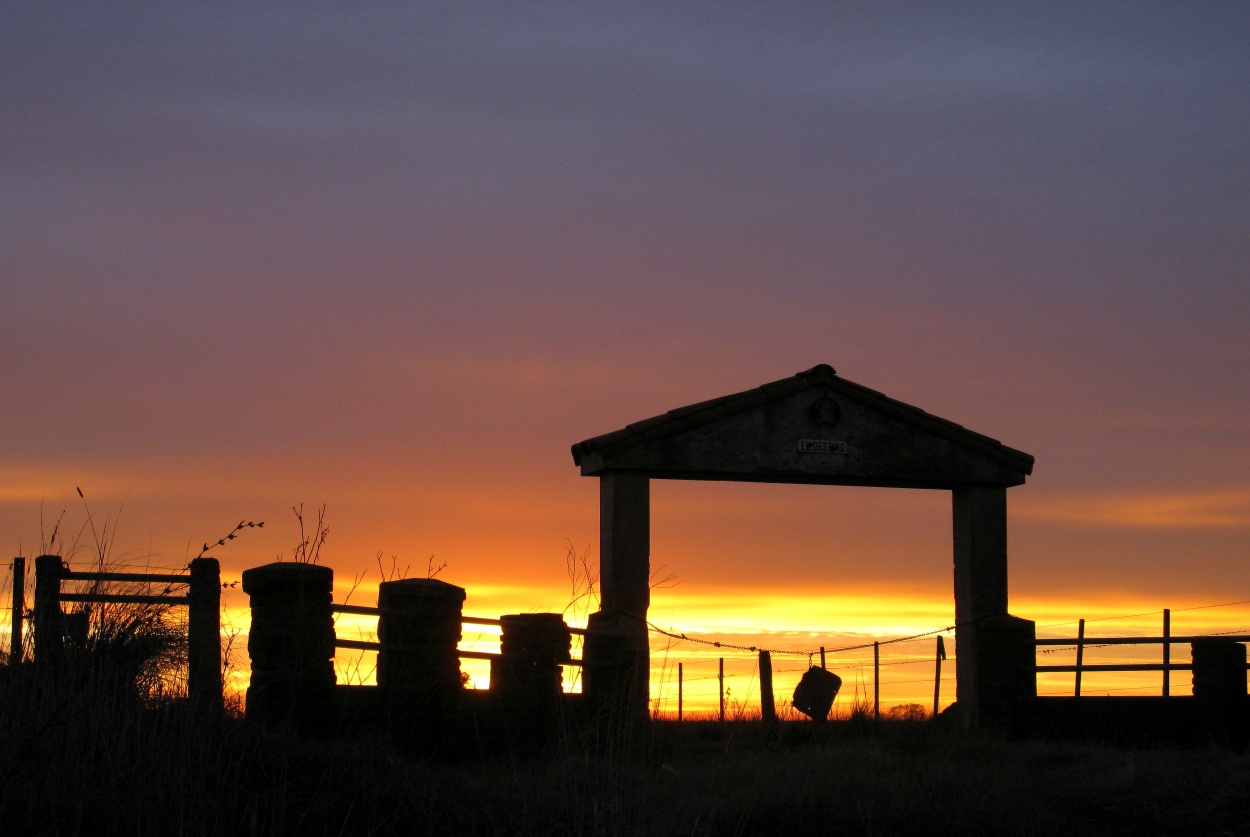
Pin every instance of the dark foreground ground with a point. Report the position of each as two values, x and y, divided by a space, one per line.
69 766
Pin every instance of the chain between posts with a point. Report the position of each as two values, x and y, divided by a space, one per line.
809 654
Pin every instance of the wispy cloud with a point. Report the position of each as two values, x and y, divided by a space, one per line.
1215 509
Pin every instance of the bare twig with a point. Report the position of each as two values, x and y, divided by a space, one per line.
46 546
308 550
583 580
394 573
656 581
234 533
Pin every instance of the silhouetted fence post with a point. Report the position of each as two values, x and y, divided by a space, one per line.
876 681
767 706
1167 652
720 682
204 634
49 619
291 642
938 656
680 685
822 657
19 605
1080 654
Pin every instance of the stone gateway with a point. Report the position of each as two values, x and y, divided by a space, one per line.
821 429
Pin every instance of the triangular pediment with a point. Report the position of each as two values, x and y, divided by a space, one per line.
814 427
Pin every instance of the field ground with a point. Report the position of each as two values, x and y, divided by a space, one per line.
68 767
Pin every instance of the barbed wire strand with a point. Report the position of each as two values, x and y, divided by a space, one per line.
1147 613
754 649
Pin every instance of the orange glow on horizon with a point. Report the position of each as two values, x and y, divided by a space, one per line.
788 568
787 620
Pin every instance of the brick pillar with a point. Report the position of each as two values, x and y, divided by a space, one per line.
532 651
525 679
420 622
1219 674
291 643
1219 669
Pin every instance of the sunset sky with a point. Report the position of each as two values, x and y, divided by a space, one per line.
398 259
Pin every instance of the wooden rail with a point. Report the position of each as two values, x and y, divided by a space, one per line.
372 645
137 578
202 600
1141 640
363 610
367 645
1167 640
124 598
1121 667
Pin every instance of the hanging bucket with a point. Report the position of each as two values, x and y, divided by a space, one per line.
815 693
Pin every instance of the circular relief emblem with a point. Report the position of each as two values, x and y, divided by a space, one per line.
825 412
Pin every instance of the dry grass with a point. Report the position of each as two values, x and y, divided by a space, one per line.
117 767
85 748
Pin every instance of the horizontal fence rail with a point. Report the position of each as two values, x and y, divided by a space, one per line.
368 645
1080 643
1090 641
137 578
364 610
201 595
374 645
124 598
1119 667
165 598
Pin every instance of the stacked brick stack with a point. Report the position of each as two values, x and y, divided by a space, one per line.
1219 669
419 629
532 649
291 641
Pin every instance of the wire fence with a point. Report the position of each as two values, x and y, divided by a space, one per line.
882 679
697 683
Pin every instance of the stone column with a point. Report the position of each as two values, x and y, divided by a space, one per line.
980 530
533 650
995 652
616 651
1219 669
291 643
419 629
1219 678
525 679
625 543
